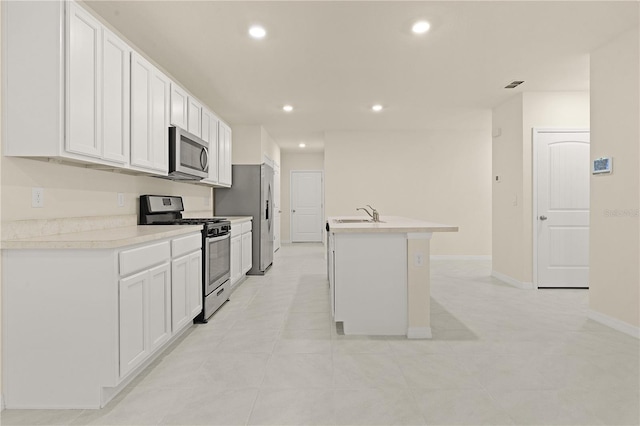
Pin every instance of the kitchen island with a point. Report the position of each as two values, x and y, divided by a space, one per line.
379 274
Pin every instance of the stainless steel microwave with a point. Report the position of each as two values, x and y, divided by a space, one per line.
188 155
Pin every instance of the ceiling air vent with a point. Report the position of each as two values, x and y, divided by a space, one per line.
513 84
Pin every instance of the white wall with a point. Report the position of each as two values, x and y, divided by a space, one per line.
269 147
251 143
247 144
294 161
71 191
507 217
615 199
436 175
512 160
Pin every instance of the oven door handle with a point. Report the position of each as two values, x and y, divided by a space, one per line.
216 239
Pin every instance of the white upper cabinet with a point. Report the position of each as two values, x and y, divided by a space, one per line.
224 153
186 111
78 93
83 77
179 106
210 134
149 116
194 117
116 60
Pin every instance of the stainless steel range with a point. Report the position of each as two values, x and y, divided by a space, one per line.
216 246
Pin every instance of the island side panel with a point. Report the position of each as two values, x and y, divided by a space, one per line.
419 285
59 306
371 283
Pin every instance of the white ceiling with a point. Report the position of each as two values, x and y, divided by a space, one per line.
332 60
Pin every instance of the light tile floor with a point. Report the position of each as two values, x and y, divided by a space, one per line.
272 356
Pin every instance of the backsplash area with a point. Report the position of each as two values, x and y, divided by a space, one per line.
41 227
77 198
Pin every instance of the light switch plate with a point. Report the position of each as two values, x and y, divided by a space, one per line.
120 199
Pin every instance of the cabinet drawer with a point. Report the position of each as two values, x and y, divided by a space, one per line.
236 229
184 245
140 258
246 227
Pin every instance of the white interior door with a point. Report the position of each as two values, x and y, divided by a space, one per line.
306 206
562 208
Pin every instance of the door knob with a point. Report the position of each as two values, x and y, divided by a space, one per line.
543 217
293 211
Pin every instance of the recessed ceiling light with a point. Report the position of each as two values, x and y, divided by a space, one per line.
287 108
377 107
257 32
420 27
302 145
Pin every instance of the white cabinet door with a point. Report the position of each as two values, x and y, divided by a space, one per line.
236 259
83 83
116 56
149 116
331 271
179 292
195 284
160 121
141 141
246 252
224 152
210 134
179 106
194 118
159 318
145 315
133 312
186 289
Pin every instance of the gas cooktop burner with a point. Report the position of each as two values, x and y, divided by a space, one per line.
198 221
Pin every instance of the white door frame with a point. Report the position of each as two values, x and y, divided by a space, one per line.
534 215
291 198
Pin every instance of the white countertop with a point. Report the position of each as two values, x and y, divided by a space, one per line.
102 238
237 219
387 224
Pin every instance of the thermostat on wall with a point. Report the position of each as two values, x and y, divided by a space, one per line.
602 165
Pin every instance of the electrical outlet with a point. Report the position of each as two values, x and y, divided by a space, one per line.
419 259
120 199
37 197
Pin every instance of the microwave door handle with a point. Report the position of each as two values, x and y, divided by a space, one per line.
206 155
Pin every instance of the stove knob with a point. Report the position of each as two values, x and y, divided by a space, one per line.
214 231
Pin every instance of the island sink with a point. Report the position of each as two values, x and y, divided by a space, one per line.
356 221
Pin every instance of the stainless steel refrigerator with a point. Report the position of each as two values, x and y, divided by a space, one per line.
251 194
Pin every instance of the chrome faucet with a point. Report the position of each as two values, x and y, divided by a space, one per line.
374 213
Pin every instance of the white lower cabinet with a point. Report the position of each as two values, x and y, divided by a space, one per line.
241 250
186 289
246 252
145 315
86 321
236 259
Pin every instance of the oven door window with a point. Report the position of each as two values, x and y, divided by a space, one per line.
219 261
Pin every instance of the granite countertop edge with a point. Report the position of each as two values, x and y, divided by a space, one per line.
102 238
387 224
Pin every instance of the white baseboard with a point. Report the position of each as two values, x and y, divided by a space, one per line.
512 281
459 257
419 333
614 323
